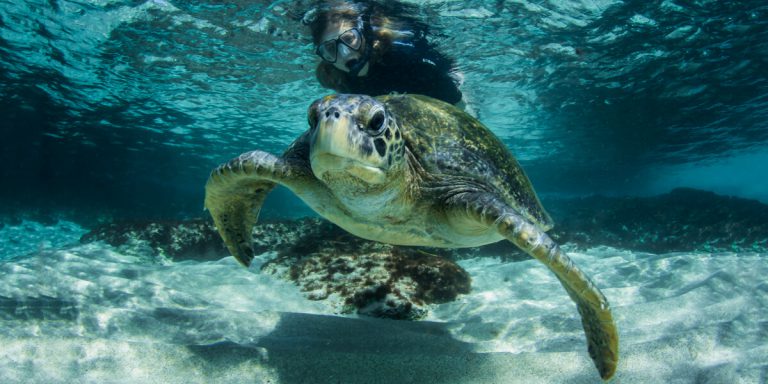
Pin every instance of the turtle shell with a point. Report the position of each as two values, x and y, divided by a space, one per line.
451 144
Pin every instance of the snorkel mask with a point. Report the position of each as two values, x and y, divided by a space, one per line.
349 51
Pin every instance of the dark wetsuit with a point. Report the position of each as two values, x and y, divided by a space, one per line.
406 67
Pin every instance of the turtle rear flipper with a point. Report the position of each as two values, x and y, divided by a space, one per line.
596 317
236 190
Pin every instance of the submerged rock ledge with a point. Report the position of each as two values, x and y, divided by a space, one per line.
684 220
399 282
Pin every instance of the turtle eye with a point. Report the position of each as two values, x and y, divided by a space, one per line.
376 123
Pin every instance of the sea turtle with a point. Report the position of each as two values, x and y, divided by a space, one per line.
407 170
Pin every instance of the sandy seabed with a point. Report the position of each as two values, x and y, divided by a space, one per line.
88 313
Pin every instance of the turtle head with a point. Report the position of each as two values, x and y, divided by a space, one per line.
355 138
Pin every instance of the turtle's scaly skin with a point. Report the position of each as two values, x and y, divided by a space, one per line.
407 170
448 141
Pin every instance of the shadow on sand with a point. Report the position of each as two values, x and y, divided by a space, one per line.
306 348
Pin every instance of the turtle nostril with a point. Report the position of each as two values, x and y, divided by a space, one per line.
334 111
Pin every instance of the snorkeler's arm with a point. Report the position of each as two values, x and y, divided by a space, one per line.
421 69
422 76
445 85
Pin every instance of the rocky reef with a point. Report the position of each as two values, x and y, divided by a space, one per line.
683 220
398 282
177 240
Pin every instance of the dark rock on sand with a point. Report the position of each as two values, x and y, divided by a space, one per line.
366 277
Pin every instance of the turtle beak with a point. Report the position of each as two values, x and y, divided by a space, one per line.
330 136
339 147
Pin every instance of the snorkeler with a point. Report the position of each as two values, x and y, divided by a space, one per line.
376 48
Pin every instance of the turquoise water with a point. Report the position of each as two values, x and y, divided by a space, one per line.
118 110
127 105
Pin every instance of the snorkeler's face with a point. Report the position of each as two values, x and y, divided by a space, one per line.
343 45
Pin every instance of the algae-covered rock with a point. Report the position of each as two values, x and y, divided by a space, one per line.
366 277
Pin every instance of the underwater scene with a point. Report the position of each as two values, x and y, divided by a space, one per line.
376 191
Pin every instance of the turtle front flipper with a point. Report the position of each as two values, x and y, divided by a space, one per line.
236 190
596 317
